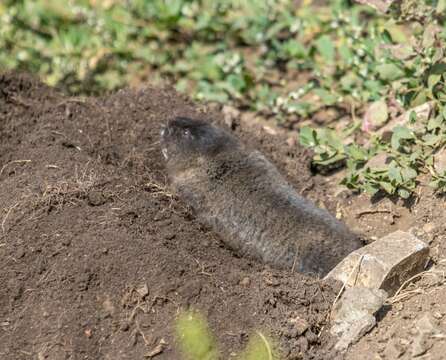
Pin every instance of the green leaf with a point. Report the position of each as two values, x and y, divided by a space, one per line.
408 173
396 32
419 99
371 189
259 347
294 49
389 72
404 193
432 139
433 80
388 187
326 97
325 160
429 35
194 337
400 133
441 7
395 173
357 153
438 69
346 54
326 48
443 112
307 137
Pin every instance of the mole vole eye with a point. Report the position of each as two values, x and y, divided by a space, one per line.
186 132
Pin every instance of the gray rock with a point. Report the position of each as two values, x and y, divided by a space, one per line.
352 315
394 349
384 264
426 327
422 112
420 346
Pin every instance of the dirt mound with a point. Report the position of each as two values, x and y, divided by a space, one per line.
98 256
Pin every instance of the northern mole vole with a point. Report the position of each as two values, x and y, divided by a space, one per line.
242 196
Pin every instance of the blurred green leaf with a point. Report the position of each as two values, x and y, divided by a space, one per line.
326 48
389 72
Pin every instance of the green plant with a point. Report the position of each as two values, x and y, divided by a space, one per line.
197 343
414 70
194 337
285 62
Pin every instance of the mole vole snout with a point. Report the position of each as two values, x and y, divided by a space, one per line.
242 196
185 138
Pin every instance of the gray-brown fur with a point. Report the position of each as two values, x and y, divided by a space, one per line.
243 198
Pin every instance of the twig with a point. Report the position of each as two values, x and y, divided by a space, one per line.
375 211
7 214
138 329
357 266
398 295
294 262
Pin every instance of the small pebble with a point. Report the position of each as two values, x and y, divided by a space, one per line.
437 315
143 290
429 227
301 325
311 337
303 343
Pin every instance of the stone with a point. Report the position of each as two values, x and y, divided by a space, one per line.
230 115
142 290
420 346
375 116
302 343
425 327
311 337
440 161
422 112
301 325
429 227
379 161
108 307
246 281
353 314
394 349
437 315
384 264
96 198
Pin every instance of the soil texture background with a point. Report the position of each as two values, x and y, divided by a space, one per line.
99 257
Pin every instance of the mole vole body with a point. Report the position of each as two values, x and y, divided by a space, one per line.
244 199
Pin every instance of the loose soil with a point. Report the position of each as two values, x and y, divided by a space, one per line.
99 257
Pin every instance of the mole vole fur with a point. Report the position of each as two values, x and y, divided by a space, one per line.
242 196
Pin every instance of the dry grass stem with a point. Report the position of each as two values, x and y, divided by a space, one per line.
13 162
7 214
357 267
403 292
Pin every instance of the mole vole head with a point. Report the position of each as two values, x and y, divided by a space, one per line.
187 139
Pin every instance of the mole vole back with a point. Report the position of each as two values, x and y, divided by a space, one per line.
243 198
